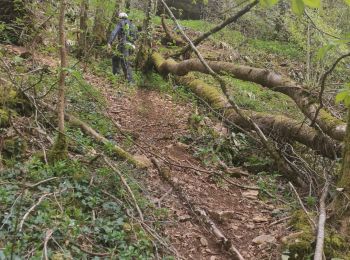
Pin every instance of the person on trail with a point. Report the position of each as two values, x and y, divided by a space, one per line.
126 37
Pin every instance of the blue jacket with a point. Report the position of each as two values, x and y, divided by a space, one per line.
119 31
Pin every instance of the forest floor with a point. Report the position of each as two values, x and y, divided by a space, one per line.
254 223
158 122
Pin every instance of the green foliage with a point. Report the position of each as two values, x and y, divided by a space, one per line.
77 211
286 49
344 95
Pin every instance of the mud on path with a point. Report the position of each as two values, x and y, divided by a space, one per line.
157 122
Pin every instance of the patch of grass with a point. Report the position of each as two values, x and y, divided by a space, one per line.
285 49
252 96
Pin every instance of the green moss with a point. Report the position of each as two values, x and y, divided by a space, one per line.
302 246
4 118
14 147
329 119
336 246
59 151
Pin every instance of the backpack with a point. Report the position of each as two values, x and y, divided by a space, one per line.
132 36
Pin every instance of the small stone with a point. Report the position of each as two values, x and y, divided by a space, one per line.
213 257
203 241
260 219
184 218
252 194
234 227
250 226
182 145
264 239
144 160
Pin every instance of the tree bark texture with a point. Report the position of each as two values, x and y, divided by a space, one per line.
330 125
59 150
84 7
99 31
275 125
342 206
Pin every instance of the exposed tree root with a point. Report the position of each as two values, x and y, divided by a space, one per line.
306 102
200 214
278 126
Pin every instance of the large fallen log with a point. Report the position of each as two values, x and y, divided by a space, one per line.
330 125
277 126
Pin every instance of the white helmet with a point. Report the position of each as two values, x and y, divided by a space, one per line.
123 15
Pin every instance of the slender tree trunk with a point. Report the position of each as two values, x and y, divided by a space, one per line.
342 206
59 151
83 28
99 30
114 19
143 55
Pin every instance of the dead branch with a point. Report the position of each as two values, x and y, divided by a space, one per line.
312 222
200 214
48 235
279 221
321 224
31 209
323 82
126 186
228 21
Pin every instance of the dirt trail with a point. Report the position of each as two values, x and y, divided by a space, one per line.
158 121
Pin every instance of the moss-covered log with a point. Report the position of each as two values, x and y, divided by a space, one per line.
279 126
118 151
169 36
329 124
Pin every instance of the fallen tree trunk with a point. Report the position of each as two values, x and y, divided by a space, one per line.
118 151
330 125
277 126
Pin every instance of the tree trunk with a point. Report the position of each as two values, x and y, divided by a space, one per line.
333 127
230 20
59 151
98 30
275 125
342 200
84 7
142 58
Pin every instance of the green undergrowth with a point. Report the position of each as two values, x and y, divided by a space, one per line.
289 50
76 207
302 245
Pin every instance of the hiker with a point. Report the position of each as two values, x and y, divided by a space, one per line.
126 35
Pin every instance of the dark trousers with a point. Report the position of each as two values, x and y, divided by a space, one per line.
121 59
